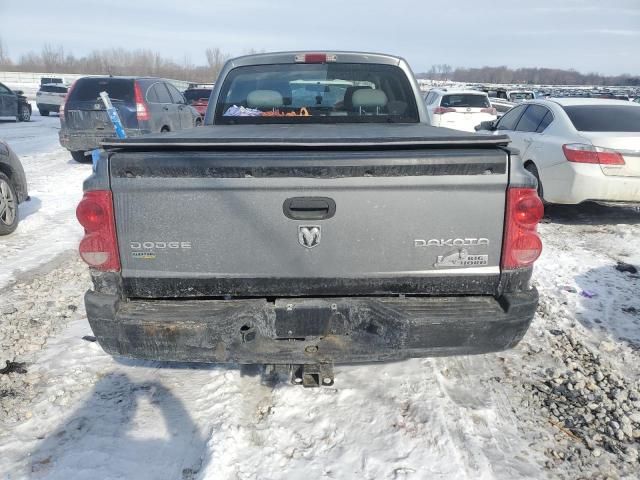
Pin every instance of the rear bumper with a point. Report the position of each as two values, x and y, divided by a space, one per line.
49 107
577 183
463 124
309 330
85 141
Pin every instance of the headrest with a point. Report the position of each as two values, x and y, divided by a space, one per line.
369 98
348 96
264 99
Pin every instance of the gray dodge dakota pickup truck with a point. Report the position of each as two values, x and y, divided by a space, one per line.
315 219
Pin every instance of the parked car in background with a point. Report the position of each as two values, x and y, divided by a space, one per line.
605 95
48 80
578 148
13 189
459 109
50 97
495 92
518 96
144 104
502 106
14 104
198 97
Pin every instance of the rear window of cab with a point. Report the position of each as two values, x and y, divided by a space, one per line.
316 93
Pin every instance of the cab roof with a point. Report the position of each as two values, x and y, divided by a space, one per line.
290 57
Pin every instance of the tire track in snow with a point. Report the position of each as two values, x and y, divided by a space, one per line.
481 418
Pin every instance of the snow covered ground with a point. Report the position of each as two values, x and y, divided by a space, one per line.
55 186
564 404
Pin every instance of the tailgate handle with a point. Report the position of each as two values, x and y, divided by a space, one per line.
309 208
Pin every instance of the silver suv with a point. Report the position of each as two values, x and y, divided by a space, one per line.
50 97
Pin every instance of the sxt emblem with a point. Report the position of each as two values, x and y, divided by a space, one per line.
309 235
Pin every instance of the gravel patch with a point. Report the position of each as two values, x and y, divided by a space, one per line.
581 390
33 310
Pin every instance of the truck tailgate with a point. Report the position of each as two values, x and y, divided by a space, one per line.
294 222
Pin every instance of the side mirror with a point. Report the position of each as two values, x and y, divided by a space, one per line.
18 92
487 125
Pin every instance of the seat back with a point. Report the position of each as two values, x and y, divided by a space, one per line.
368 99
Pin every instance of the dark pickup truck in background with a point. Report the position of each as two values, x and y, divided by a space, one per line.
315 219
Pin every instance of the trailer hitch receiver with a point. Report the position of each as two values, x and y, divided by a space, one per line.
312 375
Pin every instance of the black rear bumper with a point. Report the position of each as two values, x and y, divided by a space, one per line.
309 330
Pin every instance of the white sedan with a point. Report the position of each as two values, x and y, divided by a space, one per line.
578 148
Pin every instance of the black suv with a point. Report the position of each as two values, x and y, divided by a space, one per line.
14 104
145 105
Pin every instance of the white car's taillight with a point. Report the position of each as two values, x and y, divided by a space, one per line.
443 110
583 153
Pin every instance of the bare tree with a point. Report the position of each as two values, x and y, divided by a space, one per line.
52 57
446 71
216 59
4 54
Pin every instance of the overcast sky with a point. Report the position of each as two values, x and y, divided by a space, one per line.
581 34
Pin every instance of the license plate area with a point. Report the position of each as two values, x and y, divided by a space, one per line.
296 318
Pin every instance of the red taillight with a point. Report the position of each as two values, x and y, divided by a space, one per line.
579 153
441 110
582 153
91 215
490 111
522 245
315 58
528 209
66 98
609 157
99 247
142 113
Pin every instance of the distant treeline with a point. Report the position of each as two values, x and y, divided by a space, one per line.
116 61
120 61
538 76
